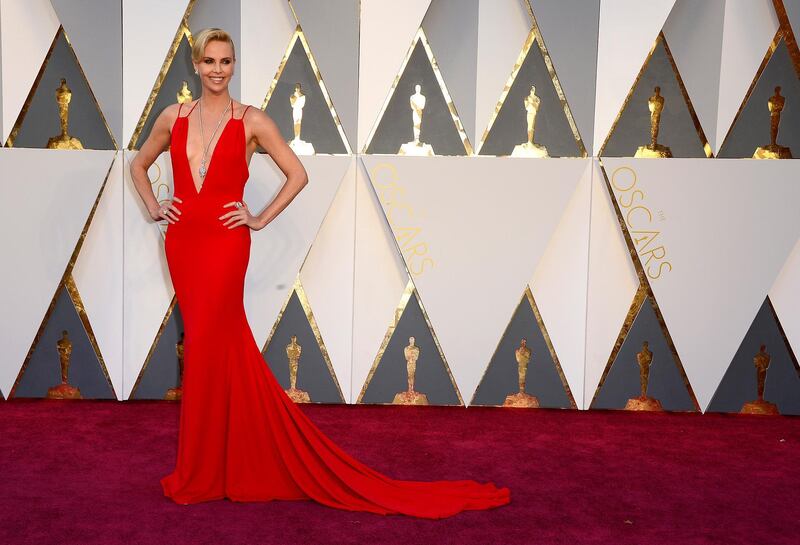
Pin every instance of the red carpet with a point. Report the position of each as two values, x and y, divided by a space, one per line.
88 472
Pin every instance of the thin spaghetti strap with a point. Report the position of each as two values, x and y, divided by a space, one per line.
180 105
196 102
231 108
245 112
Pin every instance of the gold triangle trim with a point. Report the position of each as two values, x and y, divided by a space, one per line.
312 322
300 35
153 346
409 291
67 282
534 35
644 284
528 296
183 31
695 120
420 36
27 104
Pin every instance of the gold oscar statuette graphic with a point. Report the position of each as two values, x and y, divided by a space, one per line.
184 96
522 399
416 147
530 148
410 396
654 150
63 140
644 403
64 390
760 405
773 150
175 394
293 351
298 101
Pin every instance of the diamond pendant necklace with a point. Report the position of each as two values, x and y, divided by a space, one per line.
203 170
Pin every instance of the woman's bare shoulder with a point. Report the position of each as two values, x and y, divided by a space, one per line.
169 114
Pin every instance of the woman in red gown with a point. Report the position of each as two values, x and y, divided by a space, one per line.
241 437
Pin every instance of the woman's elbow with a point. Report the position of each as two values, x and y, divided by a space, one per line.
302 180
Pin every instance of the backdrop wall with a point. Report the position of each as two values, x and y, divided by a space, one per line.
586 254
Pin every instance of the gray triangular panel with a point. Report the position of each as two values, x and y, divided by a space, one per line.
542 378
431 377
676 130
318 125
752 127
313 375
44 369
665 381
42 122
395 127
551 128
782 385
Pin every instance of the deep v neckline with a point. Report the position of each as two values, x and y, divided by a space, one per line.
197 192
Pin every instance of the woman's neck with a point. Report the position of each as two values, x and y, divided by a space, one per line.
215 102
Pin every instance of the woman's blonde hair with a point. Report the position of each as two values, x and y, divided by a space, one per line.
206 35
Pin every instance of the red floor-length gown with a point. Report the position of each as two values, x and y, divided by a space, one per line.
241 437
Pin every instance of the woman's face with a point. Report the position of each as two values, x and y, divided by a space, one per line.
216 67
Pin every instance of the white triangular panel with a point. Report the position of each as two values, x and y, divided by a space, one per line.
27 27
99 51
468 288
145 44
60 188
628 30
327 277
612 284
502 29
387 31
560 282
785 297
98 273
278 250
748 31
267 27
380 278
694 34
724 249
148 287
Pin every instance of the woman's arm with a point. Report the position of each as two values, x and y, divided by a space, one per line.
267 135
157 141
